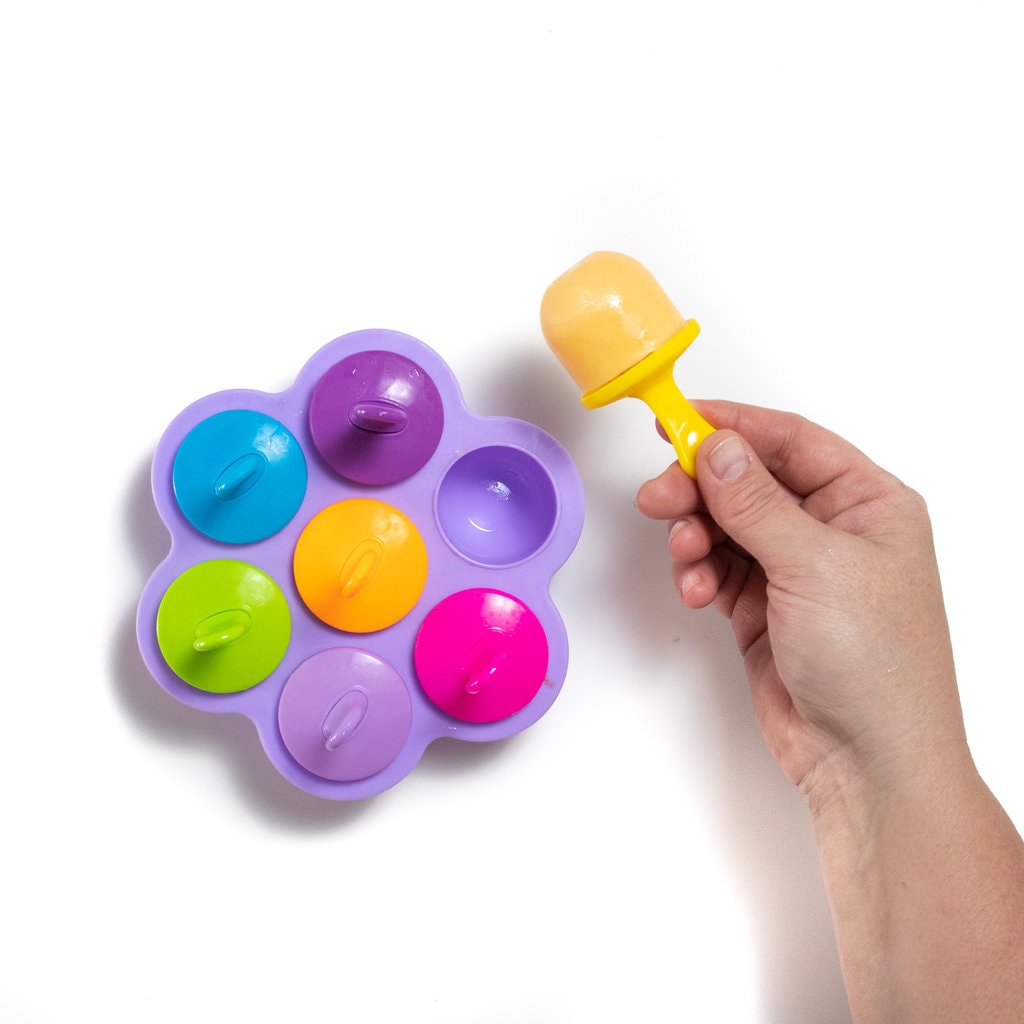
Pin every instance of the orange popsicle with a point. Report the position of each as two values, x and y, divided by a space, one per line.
618 334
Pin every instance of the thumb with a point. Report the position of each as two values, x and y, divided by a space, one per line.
751 506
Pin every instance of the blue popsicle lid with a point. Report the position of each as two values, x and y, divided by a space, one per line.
239 476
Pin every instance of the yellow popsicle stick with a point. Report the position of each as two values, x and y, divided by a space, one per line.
652 381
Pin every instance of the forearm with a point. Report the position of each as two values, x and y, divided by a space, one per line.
925 876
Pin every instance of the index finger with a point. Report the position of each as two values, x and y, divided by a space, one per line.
670 495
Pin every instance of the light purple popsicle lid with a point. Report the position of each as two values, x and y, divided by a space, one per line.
344 714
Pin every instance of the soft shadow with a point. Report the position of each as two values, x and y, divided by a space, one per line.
764 834
758 815
532 387
446 756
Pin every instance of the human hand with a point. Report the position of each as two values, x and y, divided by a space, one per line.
824 564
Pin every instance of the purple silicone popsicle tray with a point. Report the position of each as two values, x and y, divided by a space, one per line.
360 565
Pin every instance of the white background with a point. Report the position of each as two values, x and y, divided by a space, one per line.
197 196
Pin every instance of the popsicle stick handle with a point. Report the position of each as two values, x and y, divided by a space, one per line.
685 427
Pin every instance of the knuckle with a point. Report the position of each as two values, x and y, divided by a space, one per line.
754 500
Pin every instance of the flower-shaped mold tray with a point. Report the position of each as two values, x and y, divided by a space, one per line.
360 565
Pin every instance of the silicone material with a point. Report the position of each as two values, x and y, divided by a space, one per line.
360 565
239 476
223 626
428 529
497 505
376 417
345 714
481 655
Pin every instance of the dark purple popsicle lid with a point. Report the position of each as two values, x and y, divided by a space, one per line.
376 417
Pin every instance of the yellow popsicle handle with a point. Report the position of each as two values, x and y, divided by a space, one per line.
652 381
685 427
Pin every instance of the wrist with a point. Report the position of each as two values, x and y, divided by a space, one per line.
906 741
869 809
924 874
851 788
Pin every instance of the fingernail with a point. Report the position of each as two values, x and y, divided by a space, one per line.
679 524
728 459
688 581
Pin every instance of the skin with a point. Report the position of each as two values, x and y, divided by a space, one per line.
825 566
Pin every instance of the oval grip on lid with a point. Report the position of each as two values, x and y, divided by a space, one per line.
344 717
484 660
240 476
481 655
378 417
220 629
363 561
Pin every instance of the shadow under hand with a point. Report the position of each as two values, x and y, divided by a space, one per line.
764 834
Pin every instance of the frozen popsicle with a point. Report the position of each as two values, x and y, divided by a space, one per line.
618 334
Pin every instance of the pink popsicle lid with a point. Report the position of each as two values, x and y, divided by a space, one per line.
481 655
